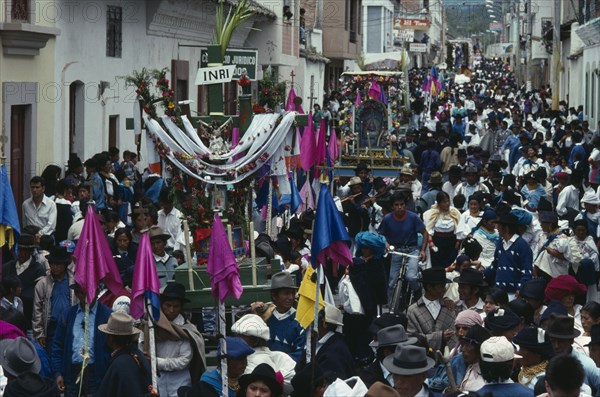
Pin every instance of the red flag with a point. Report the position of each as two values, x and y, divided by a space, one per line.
222 266
308 146
94 260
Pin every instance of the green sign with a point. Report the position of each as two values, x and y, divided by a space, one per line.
247 59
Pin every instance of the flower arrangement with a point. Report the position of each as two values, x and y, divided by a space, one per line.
270 92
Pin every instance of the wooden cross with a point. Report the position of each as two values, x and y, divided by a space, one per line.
312 92
292 75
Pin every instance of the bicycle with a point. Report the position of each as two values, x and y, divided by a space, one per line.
403 295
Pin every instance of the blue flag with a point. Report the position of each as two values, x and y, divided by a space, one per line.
330 238
9 218
293 199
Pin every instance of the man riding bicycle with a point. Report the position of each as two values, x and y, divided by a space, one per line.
400 229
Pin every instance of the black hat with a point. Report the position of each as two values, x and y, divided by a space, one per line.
508 219
58 256
502 320
508 180
361 167
388 320
533 289
266 374
595 335
554 307
302 380
26 241
199 389
562 327
281 280
534 339
548 217
455 170
174 290
471 276
476 335
295 231
434 275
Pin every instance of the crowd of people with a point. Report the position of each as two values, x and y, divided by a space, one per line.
492 225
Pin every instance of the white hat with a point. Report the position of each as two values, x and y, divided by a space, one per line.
121 304
353 387
590 197
251 325
333 315
497 349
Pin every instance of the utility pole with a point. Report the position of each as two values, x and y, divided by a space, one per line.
529 46
555 80
517 41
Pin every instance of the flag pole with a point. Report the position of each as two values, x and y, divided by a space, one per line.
188 254
151 344
315 327
223 331
269 205
252 253
86 347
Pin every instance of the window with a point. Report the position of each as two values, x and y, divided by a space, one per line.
353 22
114 23
20 10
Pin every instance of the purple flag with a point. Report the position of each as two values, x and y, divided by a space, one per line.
94 260
307 196
321 143
145 281
375 91
308 146
222 266
358 100
289 105
332 147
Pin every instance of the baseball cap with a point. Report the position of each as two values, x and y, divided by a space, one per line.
497 349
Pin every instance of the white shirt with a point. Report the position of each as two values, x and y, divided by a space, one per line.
506 244
387 375
171 224
433 307
21 267
162 259
567 198
43 216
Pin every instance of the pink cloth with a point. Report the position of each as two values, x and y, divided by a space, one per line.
333 147
9 331
145 279
289 105
222 266
468 318
322 144
375 91
93 259
308 146
358 100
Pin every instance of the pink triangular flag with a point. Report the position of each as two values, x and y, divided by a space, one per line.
322 143
307 195
375 91
358 100
333 147
146 284
308 146
289 105
222 266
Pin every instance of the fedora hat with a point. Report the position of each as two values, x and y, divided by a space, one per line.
407 170
434 275
58 256
265 373
548 217
535 340
408 360
174 290
471 276
18 356
391 336
199 389
355 180
562 327
157 232
333 315
435 177
508 219
387 320
120 324
281 280
379 389
26 241
362 166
